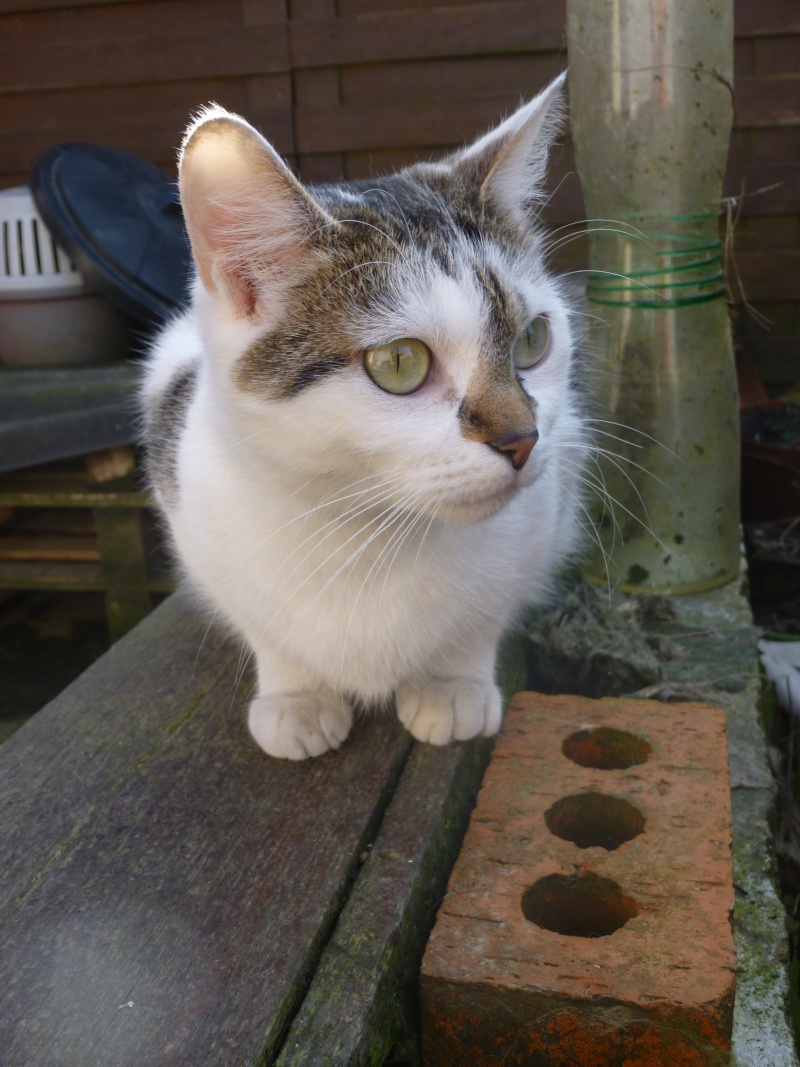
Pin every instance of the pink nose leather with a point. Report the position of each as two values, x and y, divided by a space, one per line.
518 449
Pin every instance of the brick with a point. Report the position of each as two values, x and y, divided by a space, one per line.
631 880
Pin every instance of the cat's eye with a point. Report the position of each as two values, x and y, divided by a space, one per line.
531 344
399 367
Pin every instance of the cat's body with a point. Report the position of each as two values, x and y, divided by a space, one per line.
368 540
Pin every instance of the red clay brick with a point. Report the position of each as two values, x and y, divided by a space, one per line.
658 990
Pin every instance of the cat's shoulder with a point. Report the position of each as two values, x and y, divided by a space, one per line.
174 351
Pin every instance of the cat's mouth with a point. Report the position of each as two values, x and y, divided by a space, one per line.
481 505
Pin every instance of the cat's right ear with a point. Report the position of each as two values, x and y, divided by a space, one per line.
251 223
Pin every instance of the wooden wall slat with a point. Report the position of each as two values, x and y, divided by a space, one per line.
476 29
767 100
370 7
770 188
359 127
55 110
768 275
17 6
147 120
140 59
518 76
766 19
173 18
776 55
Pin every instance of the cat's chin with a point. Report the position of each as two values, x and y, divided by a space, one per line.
477 508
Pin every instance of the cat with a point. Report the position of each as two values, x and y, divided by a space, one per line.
366 433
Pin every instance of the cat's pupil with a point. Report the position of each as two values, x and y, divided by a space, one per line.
400 367
531 344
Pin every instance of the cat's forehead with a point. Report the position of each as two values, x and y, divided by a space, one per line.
419 207
426 248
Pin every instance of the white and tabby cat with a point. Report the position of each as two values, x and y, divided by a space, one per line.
341 429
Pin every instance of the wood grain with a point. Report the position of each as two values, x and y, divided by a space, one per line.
166 887
364 990
474 29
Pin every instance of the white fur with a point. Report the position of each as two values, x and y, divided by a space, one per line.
360 543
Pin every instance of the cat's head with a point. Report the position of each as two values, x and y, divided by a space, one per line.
402 329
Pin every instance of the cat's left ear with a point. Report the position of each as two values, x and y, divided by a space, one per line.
509 164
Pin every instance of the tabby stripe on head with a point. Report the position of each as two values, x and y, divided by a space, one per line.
312 372
288 360
504 320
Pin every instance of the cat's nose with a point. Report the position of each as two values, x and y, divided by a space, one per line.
516 449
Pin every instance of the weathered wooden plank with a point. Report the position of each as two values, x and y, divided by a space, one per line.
64 489
314 9
15 6
363 995
145 120
98 19
157 140
371 7
56 109
776 55
474 29
68 575
776 145
363 1001
167 886
32 833
122 552
761 20
224 53
135 44
780 232
503 77
361 127
52 547
766 275
767 100
765 188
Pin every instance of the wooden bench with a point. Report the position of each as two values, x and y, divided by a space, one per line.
169 895
87 414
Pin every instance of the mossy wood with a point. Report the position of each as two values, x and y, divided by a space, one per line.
171 895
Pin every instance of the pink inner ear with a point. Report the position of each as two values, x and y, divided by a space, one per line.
248 219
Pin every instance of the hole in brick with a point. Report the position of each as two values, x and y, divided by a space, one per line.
585 905
606 749
594 820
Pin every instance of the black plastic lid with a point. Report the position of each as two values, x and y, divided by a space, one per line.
119 219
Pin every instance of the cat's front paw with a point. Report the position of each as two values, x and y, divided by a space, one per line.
299 725
451 709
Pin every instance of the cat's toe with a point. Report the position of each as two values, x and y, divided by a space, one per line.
298 725
444 710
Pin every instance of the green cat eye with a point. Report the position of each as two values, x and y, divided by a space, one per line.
400 367
531 344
